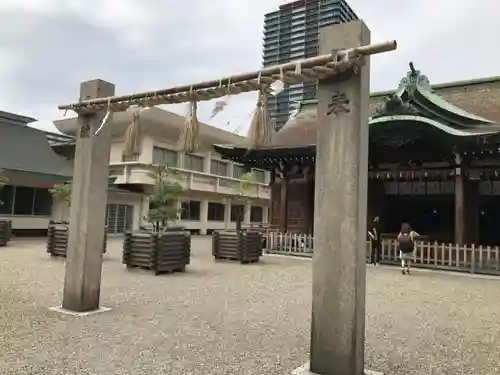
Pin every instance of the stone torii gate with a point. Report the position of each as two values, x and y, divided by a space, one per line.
342 69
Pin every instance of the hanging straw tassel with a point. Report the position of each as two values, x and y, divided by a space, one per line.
132 146
260 131
189 139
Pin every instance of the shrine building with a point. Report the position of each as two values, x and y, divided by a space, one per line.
434 161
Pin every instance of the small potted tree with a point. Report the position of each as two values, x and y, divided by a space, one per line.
58 231
62 194
244 246
5 225
164 199
165 248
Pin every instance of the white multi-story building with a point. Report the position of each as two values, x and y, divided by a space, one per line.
212 197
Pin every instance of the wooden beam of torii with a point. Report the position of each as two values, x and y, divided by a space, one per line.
311 69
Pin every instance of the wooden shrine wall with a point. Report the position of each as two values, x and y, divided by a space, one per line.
299 205
419 187
446 187
275 203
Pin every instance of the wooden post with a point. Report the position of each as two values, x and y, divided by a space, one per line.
82 283
283 203
472 211
459 202
338 305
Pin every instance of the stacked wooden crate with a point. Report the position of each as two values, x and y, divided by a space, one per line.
57 238
244 246
5 232
165 252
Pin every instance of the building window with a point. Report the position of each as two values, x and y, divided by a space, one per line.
219 168
126 158
119 218
215 211
237 212
238 171
43 202
256 214
259 175
193 162
190 210
23 200
6 200
164 156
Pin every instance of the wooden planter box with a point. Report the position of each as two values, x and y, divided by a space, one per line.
5 232
166 252
57 239
244 246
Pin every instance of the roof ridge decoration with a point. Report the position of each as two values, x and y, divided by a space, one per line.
413 79
415 95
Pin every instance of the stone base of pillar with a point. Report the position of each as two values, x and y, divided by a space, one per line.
60 309
304 370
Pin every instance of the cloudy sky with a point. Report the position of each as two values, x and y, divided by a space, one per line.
47 47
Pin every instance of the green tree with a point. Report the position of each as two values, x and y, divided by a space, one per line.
62 192
247 180
165 197
3 181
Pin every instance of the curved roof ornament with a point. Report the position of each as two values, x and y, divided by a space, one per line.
413 79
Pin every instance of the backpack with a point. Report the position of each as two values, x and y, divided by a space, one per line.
406 242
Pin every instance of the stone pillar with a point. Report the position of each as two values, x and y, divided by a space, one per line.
339 261
82 283
247 212
227 213
204 216
207 162
265 214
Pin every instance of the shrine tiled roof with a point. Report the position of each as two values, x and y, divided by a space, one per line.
413 106
26 149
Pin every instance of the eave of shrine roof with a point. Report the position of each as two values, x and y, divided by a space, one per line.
440 102
464 132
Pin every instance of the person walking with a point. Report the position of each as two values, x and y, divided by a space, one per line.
406 244
374 234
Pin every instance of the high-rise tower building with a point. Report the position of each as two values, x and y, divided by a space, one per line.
292 33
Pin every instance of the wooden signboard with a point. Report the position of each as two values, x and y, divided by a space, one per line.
484 188
391 187
495 188
447 187
433 187
418 188
405 188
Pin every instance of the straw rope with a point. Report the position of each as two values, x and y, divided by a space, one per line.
189 138
312 69
132 144
260 132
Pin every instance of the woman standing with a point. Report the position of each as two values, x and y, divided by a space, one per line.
406 244
374 234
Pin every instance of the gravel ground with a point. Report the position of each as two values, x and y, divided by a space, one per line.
226 318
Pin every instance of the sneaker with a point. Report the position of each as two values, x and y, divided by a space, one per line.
407 271
403 271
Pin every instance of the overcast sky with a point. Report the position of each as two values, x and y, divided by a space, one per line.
47 47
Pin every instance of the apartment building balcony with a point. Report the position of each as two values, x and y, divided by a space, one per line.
140 173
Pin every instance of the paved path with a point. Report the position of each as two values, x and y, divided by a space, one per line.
226 318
